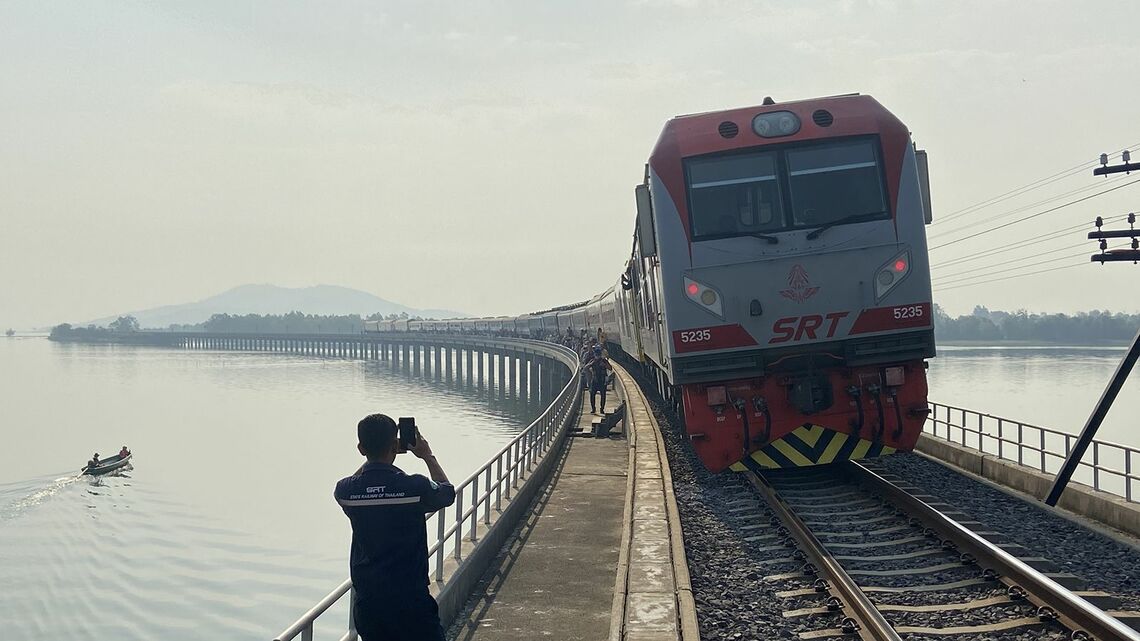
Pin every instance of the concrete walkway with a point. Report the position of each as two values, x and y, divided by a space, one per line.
555 577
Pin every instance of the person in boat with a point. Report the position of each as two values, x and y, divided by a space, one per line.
123 453
94 462
388 559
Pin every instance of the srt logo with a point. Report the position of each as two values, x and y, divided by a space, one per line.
799 285
799 327
374 489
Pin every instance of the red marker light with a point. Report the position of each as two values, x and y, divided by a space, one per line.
900 265
694 289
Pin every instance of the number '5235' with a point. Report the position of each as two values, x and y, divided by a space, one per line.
696 336
910 311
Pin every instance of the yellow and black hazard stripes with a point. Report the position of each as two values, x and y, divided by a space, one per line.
814 445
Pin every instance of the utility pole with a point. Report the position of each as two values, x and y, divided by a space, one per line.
1133 354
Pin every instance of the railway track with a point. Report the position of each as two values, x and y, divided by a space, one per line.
874 559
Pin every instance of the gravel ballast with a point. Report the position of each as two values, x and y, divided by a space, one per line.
1107 564
731 561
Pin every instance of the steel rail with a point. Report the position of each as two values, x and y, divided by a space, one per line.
1072 611
873 626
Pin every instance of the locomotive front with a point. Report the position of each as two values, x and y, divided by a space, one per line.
784 280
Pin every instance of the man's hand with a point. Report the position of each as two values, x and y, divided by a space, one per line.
422 449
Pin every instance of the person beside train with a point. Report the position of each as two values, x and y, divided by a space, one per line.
599 368
585 354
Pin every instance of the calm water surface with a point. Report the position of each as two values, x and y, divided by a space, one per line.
226 527
1054 387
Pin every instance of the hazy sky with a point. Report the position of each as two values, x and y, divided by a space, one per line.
482 156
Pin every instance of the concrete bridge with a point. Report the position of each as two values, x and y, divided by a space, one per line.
519 368
614 496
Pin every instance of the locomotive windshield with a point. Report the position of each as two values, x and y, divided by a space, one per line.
735 195
792 188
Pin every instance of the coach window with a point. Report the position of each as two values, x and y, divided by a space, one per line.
734 196
835 181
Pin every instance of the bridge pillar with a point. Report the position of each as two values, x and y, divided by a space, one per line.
502 373
416 359
512 374
480 369
447 354
535 381
493 367
467 366
524 377
547 379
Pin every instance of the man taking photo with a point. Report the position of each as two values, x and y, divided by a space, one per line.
388 559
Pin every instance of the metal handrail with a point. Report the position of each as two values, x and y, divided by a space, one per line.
511 464
1112 468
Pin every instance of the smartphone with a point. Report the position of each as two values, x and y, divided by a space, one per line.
407 434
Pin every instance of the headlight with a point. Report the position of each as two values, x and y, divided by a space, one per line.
705 296
891 274
776 124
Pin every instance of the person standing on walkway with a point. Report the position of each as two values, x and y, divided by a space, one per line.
599 368
388 560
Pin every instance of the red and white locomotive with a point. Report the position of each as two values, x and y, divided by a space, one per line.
779 287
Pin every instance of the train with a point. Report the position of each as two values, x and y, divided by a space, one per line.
778 289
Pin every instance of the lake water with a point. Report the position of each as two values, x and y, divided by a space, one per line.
1053 387
226 528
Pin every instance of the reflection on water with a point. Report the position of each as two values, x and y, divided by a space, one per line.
1054 387
226 527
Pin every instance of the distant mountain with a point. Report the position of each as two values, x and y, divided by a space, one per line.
271 299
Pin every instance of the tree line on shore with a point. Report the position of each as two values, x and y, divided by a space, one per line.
291 323
980 325
984 325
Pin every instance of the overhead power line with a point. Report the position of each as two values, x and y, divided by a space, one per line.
1040 213
1018 210
1013 264
951 280
1033 240
994 280
970 281
1076 169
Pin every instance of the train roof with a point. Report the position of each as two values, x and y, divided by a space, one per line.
562 308
602 295
768 102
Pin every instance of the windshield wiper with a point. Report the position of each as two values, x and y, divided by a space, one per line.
772 240
815 233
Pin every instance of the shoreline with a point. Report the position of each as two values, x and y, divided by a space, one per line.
1026 343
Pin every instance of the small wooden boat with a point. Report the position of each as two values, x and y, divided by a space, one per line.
109 464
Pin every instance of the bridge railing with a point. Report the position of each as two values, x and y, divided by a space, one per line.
480 495
1110 467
